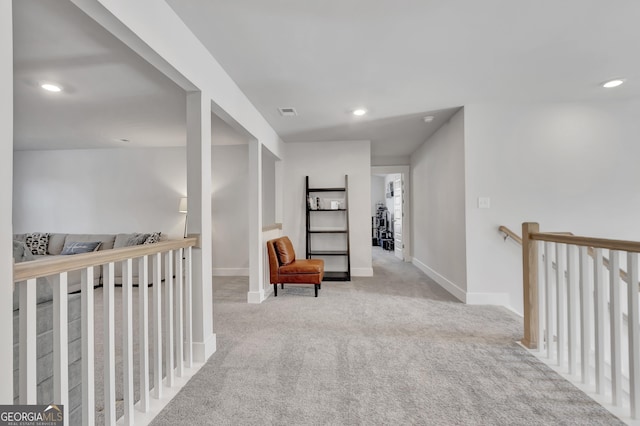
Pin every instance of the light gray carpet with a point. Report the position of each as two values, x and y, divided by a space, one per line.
393 349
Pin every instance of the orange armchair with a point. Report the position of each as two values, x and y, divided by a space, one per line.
285 268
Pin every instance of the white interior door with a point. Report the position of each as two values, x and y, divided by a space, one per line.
398 213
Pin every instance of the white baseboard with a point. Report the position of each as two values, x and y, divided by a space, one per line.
203 350
256 297
268 291
501 299
443 282
230 272
470 298
361 272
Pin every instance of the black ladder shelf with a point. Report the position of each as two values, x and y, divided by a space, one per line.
343 209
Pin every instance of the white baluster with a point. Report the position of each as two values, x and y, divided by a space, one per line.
548 274
561 302
28 334
86 324
179 314
573 295
634 335
616 327
188 304
585 314
143 300
168 314
157 326
600 315
127 340
109 345
542 291
61 344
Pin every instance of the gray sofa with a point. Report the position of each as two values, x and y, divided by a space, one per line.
44 315
57 242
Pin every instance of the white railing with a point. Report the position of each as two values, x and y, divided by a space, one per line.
170 326
581 313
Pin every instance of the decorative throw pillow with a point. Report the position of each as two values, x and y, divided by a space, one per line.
136 239
76 247
153 238
37 242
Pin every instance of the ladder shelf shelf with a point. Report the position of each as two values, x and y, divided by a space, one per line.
314 236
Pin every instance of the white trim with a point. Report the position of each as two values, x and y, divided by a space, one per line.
203 350
621 413
230 272
498 299
407 220
501 299
268 291
443 282
361 272
168 393
256 297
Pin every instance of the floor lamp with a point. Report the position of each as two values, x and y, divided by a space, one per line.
182 208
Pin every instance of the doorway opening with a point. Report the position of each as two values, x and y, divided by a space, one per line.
390 210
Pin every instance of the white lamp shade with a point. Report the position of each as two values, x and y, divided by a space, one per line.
182 205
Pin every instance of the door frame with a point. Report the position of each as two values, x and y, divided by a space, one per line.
405 171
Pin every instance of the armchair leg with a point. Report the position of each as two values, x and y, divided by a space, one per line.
282 286
316 288
275 290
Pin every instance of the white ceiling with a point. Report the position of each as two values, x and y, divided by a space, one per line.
403 58
109 92
400 59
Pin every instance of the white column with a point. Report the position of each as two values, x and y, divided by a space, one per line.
279 191
6 191
199 207
256 290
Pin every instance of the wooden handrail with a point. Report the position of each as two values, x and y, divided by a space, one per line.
55 265
508 233
591 251
271 227
622 245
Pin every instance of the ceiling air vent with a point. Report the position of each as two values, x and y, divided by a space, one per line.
288 112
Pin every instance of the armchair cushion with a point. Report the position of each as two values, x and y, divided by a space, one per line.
303 266
284 249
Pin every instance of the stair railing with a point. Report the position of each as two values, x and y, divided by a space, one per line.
170 327
581 310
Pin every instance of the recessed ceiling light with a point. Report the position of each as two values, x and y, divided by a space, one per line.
428 118
613 83
51 87
359 112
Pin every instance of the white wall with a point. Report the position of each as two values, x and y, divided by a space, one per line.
377 193
438 207
326 163
569 166
403 160
99 191
131 190
268 187
6 177
230 209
